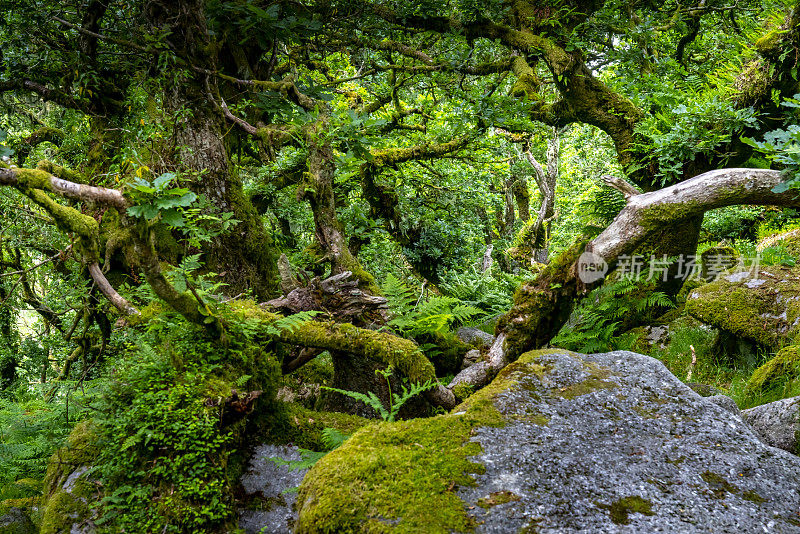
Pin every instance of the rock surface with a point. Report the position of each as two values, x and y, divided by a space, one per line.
777 423
474 336
264 483
603 443
725 402
762 305
16 521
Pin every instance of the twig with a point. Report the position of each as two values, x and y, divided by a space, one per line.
691 365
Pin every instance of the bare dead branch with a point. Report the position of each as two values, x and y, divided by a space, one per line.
119 302
626 188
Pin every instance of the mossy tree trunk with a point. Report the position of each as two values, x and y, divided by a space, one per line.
543 305
245 256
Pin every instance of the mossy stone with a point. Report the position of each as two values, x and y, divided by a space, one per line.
783 368
717 260
67 491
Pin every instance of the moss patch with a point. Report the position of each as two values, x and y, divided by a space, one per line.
498 497
720 488
402 476
66 494
406 472
596 380
621 509
781 370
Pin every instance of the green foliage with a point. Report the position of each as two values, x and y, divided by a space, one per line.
5 151
732 222
679 134
595 322
166 438
782 146
491 292
396 401
416 316
156 199
603 207
30 432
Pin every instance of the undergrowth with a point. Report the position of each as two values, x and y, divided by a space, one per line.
595 323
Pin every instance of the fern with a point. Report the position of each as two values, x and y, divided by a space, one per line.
416 317
594 324
29 434
291 322
396 401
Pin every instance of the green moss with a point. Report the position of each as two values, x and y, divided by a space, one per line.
463 390
621 509
752 496
67 219
62 172
496 498
33 179
769 41
738 309
596 380
715 260
405 471
719 484
402 476
720 488
399 353
780 370
542 305
64 506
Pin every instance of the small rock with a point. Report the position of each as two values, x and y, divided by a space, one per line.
726 402
16 521
777 423
266 480
476 336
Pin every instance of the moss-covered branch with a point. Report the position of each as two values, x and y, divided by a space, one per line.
44 134
402 354
24 179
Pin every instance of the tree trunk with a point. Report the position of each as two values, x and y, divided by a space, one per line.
245 256
542 306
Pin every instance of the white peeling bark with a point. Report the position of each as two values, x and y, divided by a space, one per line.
648 212
72 190
481 373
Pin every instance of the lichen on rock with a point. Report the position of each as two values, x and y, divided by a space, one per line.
556 443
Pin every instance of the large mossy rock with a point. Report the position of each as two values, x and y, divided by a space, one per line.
560 442
69 489
778 374
764 308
